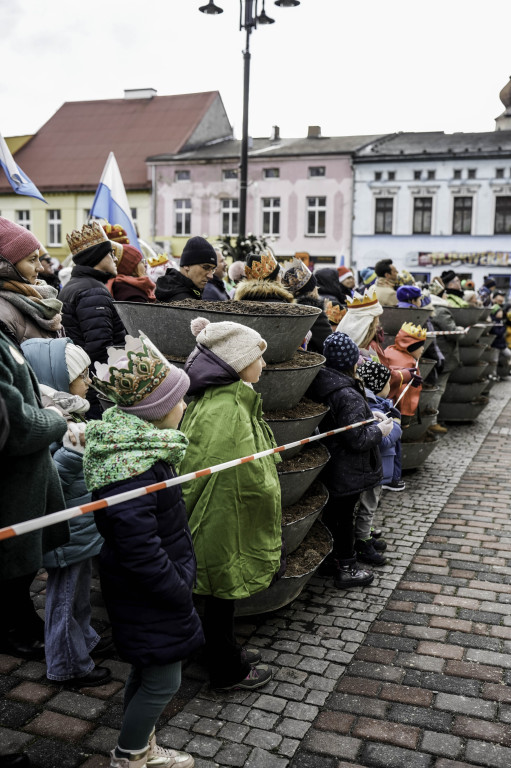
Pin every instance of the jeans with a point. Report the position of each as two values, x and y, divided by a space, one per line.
147 693
396 475
69 637
223 654
366 510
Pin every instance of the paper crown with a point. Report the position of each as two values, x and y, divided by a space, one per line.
81 239
261 268
116 233
416 331
155 261
131 372
359 301
334 312
296 275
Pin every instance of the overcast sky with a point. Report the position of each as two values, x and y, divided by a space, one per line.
350 66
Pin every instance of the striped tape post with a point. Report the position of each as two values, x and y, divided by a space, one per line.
67 514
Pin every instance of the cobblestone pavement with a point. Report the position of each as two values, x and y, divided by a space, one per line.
412 671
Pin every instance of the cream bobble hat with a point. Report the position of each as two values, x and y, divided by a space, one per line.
235 344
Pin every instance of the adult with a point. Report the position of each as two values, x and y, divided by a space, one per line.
48 274
329 286
131 282
236 273
300 281
90 318
263 280
453 289
28 306
196 266
346 282
386 282
215 289
485 291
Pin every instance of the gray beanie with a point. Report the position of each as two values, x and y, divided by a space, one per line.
235 344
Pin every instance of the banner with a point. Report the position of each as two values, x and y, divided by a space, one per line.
484 259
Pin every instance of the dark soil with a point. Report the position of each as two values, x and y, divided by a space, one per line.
244 307
311 552
315 497
300 359
311 456
305 408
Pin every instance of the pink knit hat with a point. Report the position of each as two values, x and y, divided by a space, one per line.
16 242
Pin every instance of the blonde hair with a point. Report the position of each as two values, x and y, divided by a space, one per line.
371 332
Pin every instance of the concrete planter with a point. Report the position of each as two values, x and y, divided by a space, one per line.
294 483
283 388
415 454
462 411
427 396
290 430
416 431
426 366
468 374
294 533
393 318
470 355
465 316
463 393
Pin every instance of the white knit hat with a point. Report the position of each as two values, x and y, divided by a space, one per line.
235 344
77 360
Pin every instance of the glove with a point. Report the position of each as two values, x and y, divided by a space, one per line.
378 415
414 377
385 427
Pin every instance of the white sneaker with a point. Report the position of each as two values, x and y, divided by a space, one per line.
135 760
159 757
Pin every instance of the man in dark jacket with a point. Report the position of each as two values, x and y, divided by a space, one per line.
89 315
196 266
215 289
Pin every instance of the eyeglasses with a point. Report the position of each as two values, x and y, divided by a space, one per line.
208 267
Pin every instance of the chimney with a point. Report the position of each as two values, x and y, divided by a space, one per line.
314 132
139 93
275 133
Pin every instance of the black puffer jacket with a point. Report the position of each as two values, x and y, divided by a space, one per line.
174 286
321 328
355 463
215 290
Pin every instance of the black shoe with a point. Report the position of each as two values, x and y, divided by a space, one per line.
380 545
376 533
395 485
29 649
251 655
349 575
17 760
366 552
97 676
105 645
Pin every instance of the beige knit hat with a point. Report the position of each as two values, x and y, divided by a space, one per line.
235 344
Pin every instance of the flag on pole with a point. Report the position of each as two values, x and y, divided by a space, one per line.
111 201
18 180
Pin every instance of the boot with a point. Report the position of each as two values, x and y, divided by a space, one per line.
380 545
158 757
437 429
366 552
349 575
129 759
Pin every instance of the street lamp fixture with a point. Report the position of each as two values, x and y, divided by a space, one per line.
249 19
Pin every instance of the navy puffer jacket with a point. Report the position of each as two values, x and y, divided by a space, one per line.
355 463
147 570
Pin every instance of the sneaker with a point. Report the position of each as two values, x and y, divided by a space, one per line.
131 759
159 757
251 655
350 575
437 429
380 545
257 677
366 552
395 485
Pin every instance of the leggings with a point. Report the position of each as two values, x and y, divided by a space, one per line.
338 518
147 693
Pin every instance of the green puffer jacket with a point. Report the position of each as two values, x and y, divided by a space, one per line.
234 515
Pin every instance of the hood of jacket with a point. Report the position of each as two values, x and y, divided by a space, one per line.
262 290
403 340
173 283
9 272
206 369
328 284
48 359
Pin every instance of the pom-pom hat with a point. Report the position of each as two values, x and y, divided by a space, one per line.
340 351
374 375
16 242
235 344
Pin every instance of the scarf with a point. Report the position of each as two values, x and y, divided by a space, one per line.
123 446
38 301
143 283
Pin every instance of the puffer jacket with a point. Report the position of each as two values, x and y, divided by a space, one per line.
215 290
262 290
355 463
399 358
174 286
19 324
388 443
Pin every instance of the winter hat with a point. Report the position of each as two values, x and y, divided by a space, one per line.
368 276
410 337
236 271
447 276
344 273
127 262
374 375
16 242
298 278
140 380
235 344
340 351
436 289
261 266
408 293
198 251
89 245
77 360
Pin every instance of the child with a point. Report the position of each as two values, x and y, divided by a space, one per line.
376 378
235 515
147 565
63 373
355 463
404 355
498 330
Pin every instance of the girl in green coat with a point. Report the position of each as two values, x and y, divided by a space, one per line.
234 515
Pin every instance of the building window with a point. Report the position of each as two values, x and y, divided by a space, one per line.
499 173
182 176
431 175
377 175
391 175
456 174
422 208
383 216
471 173
417 175
229 173
230 216
134 215
271 173
316 215
316 170
503 215
462 216
54 228
271 215
183 217
23 219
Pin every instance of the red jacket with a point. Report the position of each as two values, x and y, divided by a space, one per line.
399 357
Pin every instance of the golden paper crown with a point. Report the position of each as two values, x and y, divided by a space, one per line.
81 239
334 312
116 232
296 275
155 261
416 331
260 269
368 299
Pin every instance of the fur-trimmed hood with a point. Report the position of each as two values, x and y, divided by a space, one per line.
262 290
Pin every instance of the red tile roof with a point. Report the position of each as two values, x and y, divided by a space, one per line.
69 152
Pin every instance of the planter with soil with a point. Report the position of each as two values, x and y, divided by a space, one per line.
472 336
295 423
296 475
415 454
426 366
470 355
427 395
468 374
415 432
463 393
393 318
462 411
282 385
466 316
301 566
298 519
282 326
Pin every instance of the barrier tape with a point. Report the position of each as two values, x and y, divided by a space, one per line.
66 514
465 330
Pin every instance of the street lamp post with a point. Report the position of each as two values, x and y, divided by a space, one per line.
249 19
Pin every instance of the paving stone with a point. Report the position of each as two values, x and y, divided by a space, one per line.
466 706
311 760
78 705
391 733
12 740
14 714
62 727
47 753
387 756
441 744
420 716
264 739
332 744
32 692
482 753
471 728
232 754
203 746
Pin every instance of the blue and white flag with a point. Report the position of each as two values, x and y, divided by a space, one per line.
111 201
18 180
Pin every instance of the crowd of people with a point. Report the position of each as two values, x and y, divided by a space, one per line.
219 537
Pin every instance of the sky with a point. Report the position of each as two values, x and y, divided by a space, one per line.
353 67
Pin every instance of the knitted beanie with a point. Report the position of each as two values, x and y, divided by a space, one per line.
408 293
163 398
368 276
340 351
77 360
16 242
374 375
344 273
235 344
127 262
198 251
